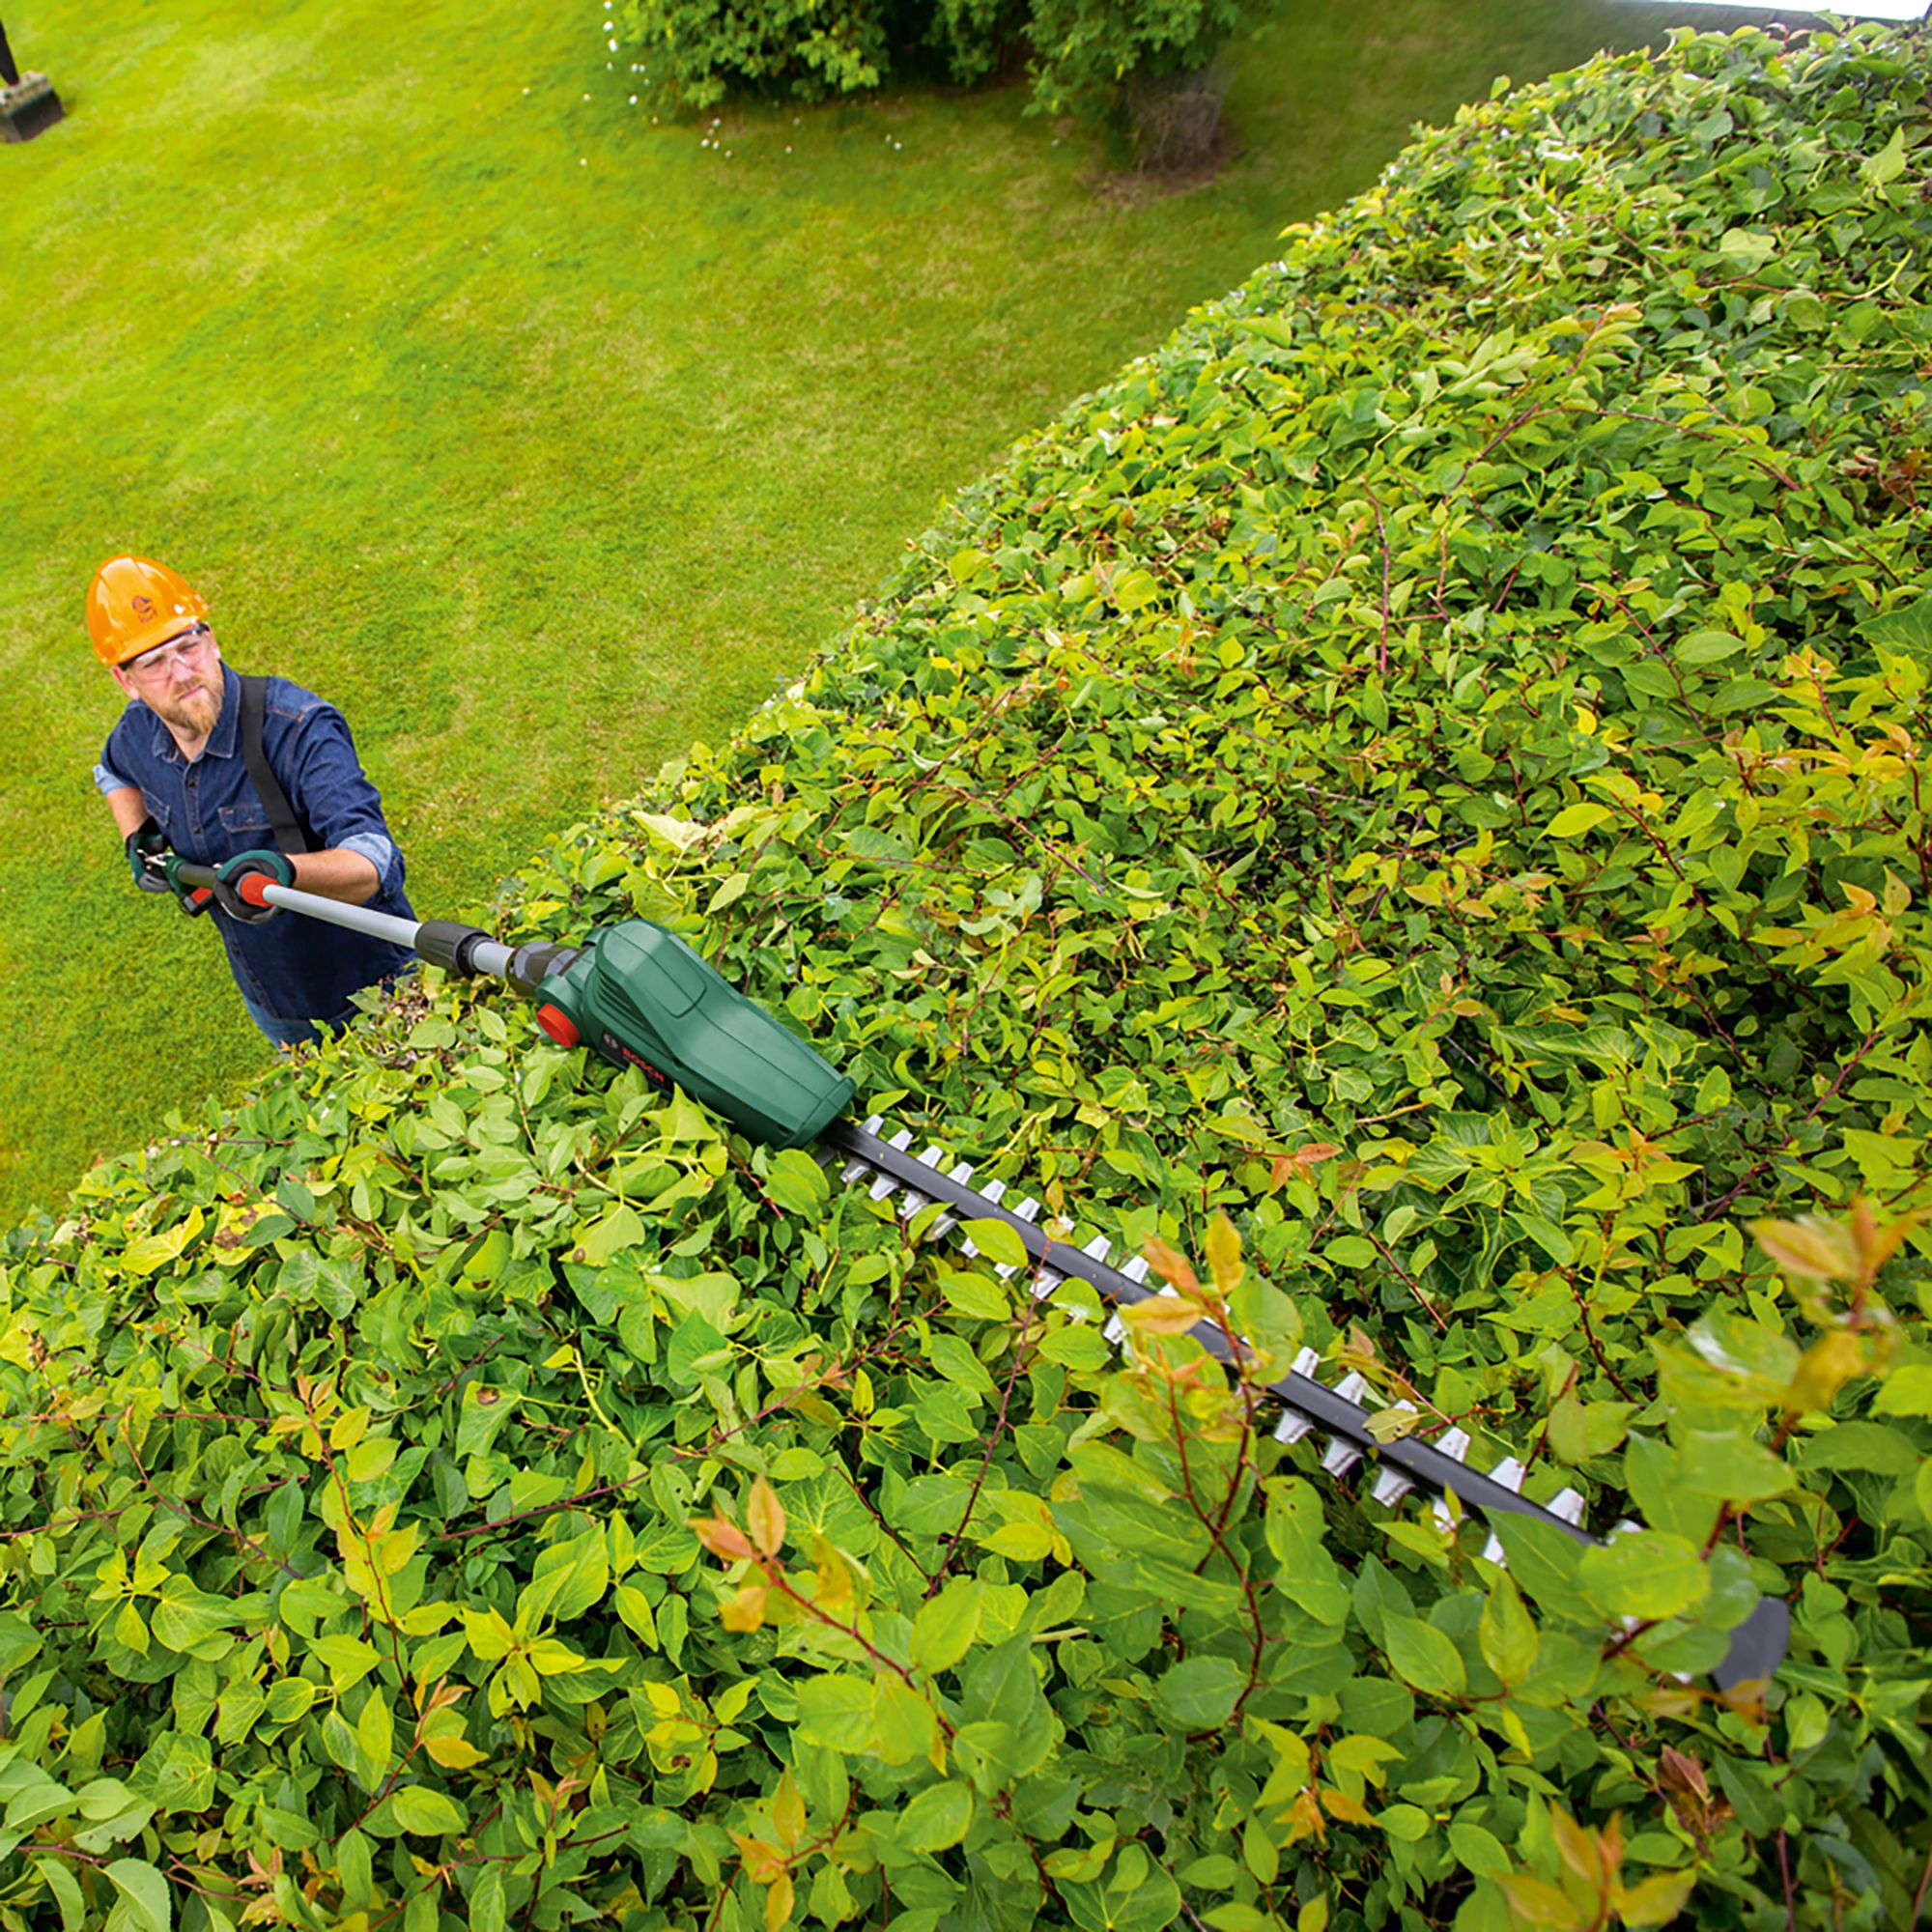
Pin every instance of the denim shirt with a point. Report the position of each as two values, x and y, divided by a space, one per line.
296 968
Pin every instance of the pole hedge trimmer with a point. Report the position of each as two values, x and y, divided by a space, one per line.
639 995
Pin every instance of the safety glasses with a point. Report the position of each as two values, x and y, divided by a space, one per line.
184 647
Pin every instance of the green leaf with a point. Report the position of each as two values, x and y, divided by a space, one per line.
1505 1632
1477 1850
1546 1236
945 1625
1406 1824
1906 630
145 1891
567 1579
347 1658
614 1232
1906 1391
1645 1573
186 1617
999 1243
903 1726
1874 1446
66 1890
1888 164
426 1812
485 1411
635 1609
798 1183
1574 820
1422 1656
1199 1693
1731 1466
937 1816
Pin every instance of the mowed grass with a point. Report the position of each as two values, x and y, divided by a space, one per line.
539 437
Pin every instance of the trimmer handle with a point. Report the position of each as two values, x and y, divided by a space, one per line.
193 884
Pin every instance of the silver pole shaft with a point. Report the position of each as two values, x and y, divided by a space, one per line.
490 957
356 919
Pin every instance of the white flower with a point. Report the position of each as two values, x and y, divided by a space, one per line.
634 100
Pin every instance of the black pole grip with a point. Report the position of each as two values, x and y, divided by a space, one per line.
531 964
450 944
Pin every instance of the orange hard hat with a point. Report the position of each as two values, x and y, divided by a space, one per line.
135 603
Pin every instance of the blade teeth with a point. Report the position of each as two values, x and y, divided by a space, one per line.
1116 1331
1569 1506
1136 1269
1453 1442
912 1200
1341 1455
1625 1528
947 1222
886 1184
1293 1425
1509 1472
1391 1485
856 1169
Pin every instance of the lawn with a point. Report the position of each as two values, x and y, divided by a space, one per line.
540 436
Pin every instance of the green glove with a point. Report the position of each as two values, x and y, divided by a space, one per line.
154 861
146 846
228 877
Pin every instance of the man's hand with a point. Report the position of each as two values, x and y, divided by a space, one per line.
145 847
152 862
228 877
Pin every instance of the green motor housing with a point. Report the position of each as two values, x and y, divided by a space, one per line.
642 998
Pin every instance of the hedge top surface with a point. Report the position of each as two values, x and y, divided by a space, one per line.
1425 766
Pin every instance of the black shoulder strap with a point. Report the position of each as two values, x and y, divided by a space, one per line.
284 826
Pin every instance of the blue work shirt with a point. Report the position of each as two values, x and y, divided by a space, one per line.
296 968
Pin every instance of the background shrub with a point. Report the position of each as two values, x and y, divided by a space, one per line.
698 50
1425 765
1082 53
1087 53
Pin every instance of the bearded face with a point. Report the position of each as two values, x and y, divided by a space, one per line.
181 683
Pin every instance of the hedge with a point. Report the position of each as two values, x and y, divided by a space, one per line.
1407 803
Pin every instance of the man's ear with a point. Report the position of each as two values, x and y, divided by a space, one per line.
122 678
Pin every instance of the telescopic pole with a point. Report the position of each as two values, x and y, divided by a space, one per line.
442 941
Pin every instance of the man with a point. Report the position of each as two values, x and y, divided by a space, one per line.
246 775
